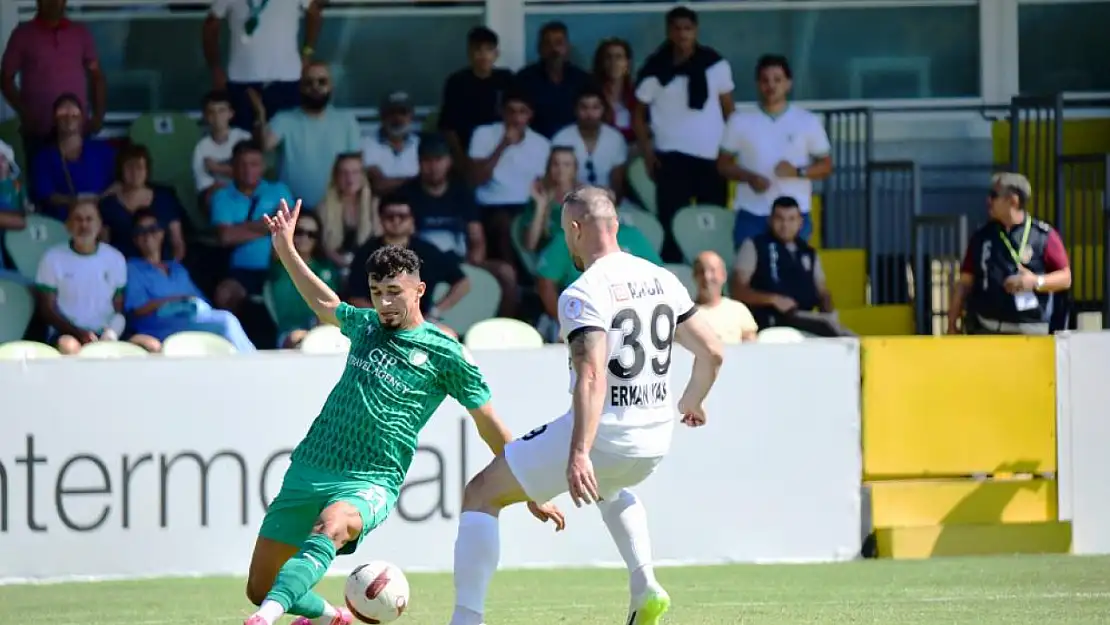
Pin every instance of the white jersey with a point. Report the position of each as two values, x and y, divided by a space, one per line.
638 305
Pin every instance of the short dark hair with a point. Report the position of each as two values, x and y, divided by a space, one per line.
591 90
784 201
132 152
390 261
393 199
681 13
218 96
516 93
773 60
553 27
245 146
481 36
141 214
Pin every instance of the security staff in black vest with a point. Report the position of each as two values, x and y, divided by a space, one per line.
779 277
1011 268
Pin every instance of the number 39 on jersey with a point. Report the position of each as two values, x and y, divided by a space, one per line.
641 359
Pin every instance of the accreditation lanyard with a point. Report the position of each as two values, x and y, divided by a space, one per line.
251 24
1024 241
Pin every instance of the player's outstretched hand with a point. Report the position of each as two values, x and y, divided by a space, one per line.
692 416
284 222
548 512
581 482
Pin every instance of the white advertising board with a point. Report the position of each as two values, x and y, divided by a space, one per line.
163 466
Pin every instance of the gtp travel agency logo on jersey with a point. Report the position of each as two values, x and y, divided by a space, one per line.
381 365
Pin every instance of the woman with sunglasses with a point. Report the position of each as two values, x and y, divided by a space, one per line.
161 299
293 317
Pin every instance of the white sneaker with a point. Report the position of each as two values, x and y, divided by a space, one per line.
650 608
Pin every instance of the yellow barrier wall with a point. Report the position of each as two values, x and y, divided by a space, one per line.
916 503
954 406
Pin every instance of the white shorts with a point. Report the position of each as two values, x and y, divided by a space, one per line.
538 460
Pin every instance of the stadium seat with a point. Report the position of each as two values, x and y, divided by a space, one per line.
9 133
846 277
700 228
527 258
478 304
887 320
21 350
642 184
643 221
685 275
27 246
268 300
193 343
170 137
500 333
112 349
17 306
325 339
779 335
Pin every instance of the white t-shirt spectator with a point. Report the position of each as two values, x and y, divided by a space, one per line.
519 166
271 53
379 153
86 284
761 141
610 152
679 128
220 152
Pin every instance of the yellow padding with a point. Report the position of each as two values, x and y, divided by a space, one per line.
962 502
934 407
846 276
815 215
1087 272
885 320
1083 216
1081 136
915 543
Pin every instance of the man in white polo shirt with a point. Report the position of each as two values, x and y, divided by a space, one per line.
505 159
775 150
688 89
390 155
599 147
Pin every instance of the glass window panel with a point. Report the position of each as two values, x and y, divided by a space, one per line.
836 54
153 60
1063 47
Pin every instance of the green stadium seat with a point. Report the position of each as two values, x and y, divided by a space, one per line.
170 137
685 275
642 184
528 259
9 133
27 246
268 300
27 350
325 339
700 228
112 349
643 221
17 306
193 343
501 333
478 304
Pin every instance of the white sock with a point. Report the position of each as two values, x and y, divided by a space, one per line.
477 550
327 617
626 519
270 610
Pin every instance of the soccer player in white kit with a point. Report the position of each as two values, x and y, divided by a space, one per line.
619 319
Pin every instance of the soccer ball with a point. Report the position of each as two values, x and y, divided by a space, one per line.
377 592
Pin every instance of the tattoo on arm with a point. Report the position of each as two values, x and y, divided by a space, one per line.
583 345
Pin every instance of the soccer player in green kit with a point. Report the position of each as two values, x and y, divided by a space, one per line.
344 477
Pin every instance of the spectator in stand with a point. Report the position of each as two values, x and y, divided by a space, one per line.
80 286
555 271
544 213
237 212
263 53
347 214
553 83
447 217
212 155
613 72
390 155
437 268
161 299
600 149
1011 269
72 166
310 136
131 192
292 315
52 57
731 320
505 158
778 149
779 276
687 88
472 95
13 215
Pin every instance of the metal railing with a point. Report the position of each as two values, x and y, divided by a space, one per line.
893 200
844 194
939 242
1083 225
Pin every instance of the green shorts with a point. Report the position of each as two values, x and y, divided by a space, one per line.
306 491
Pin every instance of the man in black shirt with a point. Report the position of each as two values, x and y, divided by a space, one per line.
472 95
553 83
447 216
438 268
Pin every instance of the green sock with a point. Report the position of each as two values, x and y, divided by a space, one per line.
297 577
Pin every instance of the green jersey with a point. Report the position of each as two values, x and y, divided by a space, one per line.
393 382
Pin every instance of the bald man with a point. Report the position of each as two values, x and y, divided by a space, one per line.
731 320
619 320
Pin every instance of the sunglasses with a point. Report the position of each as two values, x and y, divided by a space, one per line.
312 234
144 230
591 172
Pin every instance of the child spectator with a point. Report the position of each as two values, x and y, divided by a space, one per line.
212 155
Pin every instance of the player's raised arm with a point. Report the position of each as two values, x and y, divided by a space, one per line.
698 337
320 298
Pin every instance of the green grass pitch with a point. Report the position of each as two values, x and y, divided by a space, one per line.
1025 590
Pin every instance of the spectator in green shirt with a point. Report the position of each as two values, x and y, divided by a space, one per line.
291 314
555 271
